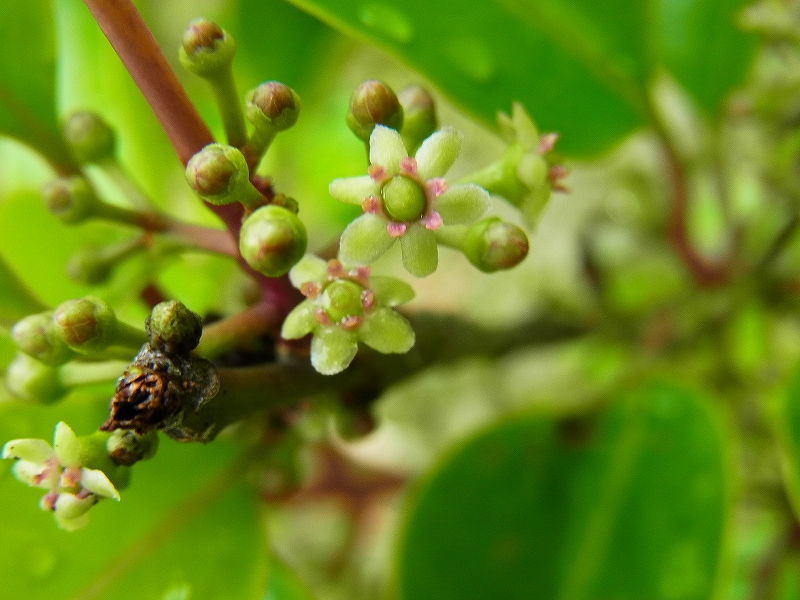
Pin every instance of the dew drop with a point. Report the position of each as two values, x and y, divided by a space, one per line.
40 561
472 57
387 20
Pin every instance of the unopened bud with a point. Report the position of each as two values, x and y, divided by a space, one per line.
89 138
126 447
173 328
29 379
373 103
272 240
272 105
86 325
206 50
493 245
419 116
70 199
219 175
35 335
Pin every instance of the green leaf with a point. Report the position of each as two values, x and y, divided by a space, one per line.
27 78
787 424
183 526
284 584
631 506
16 301
700 45
581 68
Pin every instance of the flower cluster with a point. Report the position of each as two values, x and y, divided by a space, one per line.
343 307
72 489
406 198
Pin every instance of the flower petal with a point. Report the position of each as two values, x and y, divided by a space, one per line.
390 291
438 153
300 321
353 190
364 240
386 149
69 506
67 446
310 268
420 253
28 449
462 204
387 332
36 474
72 524
333 349
96 482
526 130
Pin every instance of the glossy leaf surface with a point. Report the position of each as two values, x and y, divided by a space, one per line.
629 507
581 68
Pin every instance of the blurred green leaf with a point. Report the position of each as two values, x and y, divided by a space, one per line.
182 527
16 301
581 68
700 45
787 422
284 584
27 78
631 506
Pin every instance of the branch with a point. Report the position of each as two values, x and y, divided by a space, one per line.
133 42
441 340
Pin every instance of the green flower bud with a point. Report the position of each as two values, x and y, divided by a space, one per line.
29 379
492 245
89 325
206 50
173 328
272 105
272 240
126 447
373 103
70 199
219 175
419 116
36 336
89 138
403 199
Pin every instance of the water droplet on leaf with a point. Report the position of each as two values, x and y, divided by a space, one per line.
387 20
472 57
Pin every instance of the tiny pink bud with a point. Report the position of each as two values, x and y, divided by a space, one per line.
396 229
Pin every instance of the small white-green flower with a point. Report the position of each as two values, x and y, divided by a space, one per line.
529 162
406 198
72 488
343 307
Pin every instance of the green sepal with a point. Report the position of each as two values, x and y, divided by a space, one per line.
390 291
364 240
300 321
420 252
386 331
333 349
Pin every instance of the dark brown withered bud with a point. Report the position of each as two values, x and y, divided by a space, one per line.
145 397
157 389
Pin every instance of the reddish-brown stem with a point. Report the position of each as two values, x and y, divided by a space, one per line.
705 273
131 39
138 50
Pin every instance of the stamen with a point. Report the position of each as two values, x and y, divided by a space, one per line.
395 229
309 289
377 173
70 477
408 166
371 204
322 317
48 501
360 275
367 299
336 270
432 222
437 186
547 142
351 322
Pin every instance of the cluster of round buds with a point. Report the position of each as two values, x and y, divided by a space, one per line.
65 471
344 306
